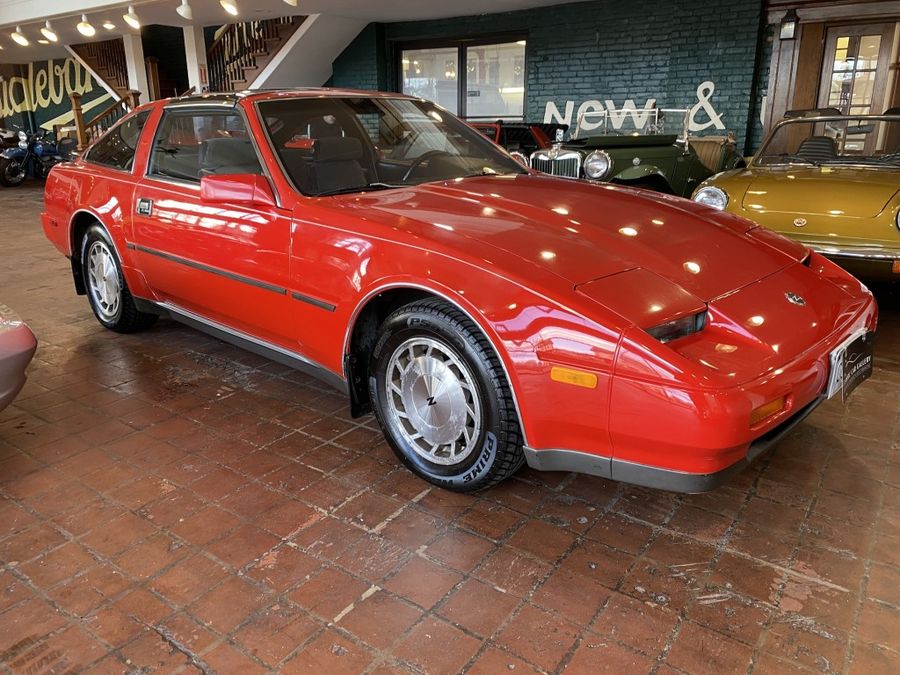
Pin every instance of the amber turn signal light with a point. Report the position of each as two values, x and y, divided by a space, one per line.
766 410
579 378
895 268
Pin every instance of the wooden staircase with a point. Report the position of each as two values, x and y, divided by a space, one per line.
107 60
243 50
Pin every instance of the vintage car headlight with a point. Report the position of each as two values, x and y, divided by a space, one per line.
597 165
712 196
679 328
897 220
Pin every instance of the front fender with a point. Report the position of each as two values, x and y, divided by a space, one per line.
640 172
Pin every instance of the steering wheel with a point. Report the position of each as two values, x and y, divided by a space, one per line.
421 160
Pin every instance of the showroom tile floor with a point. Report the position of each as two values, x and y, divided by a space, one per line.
172 504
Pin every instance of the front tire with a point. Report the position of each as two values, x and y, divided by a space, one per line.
107 292
442 399
12 173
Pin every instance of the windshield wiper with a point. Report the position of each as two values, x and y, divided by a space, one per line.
364 188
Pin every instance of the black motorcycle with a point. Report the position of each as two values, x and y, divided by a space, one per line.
35 154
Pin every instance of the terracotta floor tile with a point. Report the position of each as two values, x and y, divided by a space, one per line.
437 647
495 661
615 530
422 582
28 621
556 637
460 550
879 624
596 656
152 555
478 608
330 653
118 534
490 519
327 537
242 545
205 525
87 591
373 558
283 568
640 625
572 595
328 593
412 528
697 648
512 572
369 509
275 632
226 659
380 619
56 565
229 604
188 579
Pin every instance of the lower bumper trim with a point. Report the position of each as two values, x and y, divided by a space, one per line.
656 477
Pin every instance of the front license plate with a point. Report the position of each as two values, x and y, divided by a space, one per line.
851 365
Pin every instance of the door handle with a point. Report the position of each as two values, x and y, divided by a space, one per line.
144 207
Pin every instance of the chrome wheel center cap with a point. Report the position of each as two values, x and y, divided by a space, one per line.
434 400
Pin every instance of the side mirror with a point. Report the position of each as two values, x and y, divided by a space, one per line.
237 188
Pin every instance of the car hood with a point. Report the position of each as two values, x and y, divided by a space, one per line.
582 231
837 191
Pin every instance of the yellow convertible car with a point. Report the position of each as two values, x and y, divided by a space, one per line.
830 181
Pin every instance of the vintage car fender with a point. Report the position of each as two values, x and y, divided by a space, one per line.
643 172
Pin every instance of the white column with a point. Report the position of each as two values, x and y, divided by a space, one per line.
137 68
195 53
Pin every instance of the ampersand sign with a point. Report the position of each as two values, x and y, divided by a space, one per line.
704 94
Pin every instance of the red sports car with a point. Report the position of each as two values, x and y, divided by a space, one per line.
489 316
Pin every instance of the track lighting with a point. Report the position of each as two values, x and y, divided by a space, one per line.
185 10
229 6
18 37
85 28
131 18
48 32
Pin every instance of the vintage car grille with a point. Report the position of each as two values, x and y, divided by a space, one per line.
563 164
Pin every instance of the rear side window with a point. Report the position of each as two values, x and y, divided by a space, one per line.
191 144
116 149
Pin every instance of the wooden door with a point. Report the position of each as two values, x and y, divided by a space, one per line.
856 68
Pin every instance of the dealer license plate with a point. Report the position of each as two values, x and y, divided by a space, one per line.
851 365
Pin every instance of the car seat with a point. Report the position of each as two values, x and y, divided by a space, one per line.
336 164
817 149
228 156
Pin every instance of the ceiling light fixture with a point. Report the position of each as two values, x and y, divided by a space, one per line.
18 37
85 28
48 32
131 18
229 6
185 11
109 25
292 3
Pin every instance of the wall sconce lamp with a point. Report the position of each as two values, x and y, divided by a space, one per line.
789 25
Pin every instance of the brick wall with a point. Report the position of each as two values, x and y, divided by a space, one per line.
606 50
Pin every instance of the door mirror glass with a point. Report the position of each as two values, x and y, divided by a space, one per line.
237 188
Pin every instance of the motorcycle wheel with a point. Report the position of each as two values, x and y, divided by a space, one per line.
12 173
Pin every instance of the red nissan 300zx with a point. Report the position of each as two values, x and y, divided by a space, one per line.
488 315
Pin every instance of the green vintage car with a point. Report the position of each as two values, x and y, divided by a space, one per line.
648 148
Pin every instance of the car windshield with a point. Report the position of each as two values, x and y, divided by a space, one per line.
336 145
630 121
833 141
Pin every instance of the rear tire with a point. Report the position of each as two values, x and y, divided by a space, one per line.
442 399
12 173
107 292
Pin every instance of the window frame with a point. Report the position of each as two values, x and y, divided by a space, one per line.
462 44
146 112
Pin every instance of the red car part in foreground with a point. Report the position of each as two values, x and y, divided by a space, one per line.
17 346
488 316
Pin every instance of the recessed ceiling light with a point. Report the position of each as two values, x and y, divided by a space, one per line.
85 28
19 37
229 6
48 32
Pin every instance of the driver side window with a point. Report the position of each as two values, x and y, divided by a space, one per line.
190 145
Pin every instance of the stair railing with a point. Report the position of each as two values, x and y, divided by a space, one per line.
87 131
235 50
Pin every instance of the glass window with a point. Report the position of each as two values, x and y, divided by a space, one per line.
853 77
487 80
116 149
334 145
190 145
